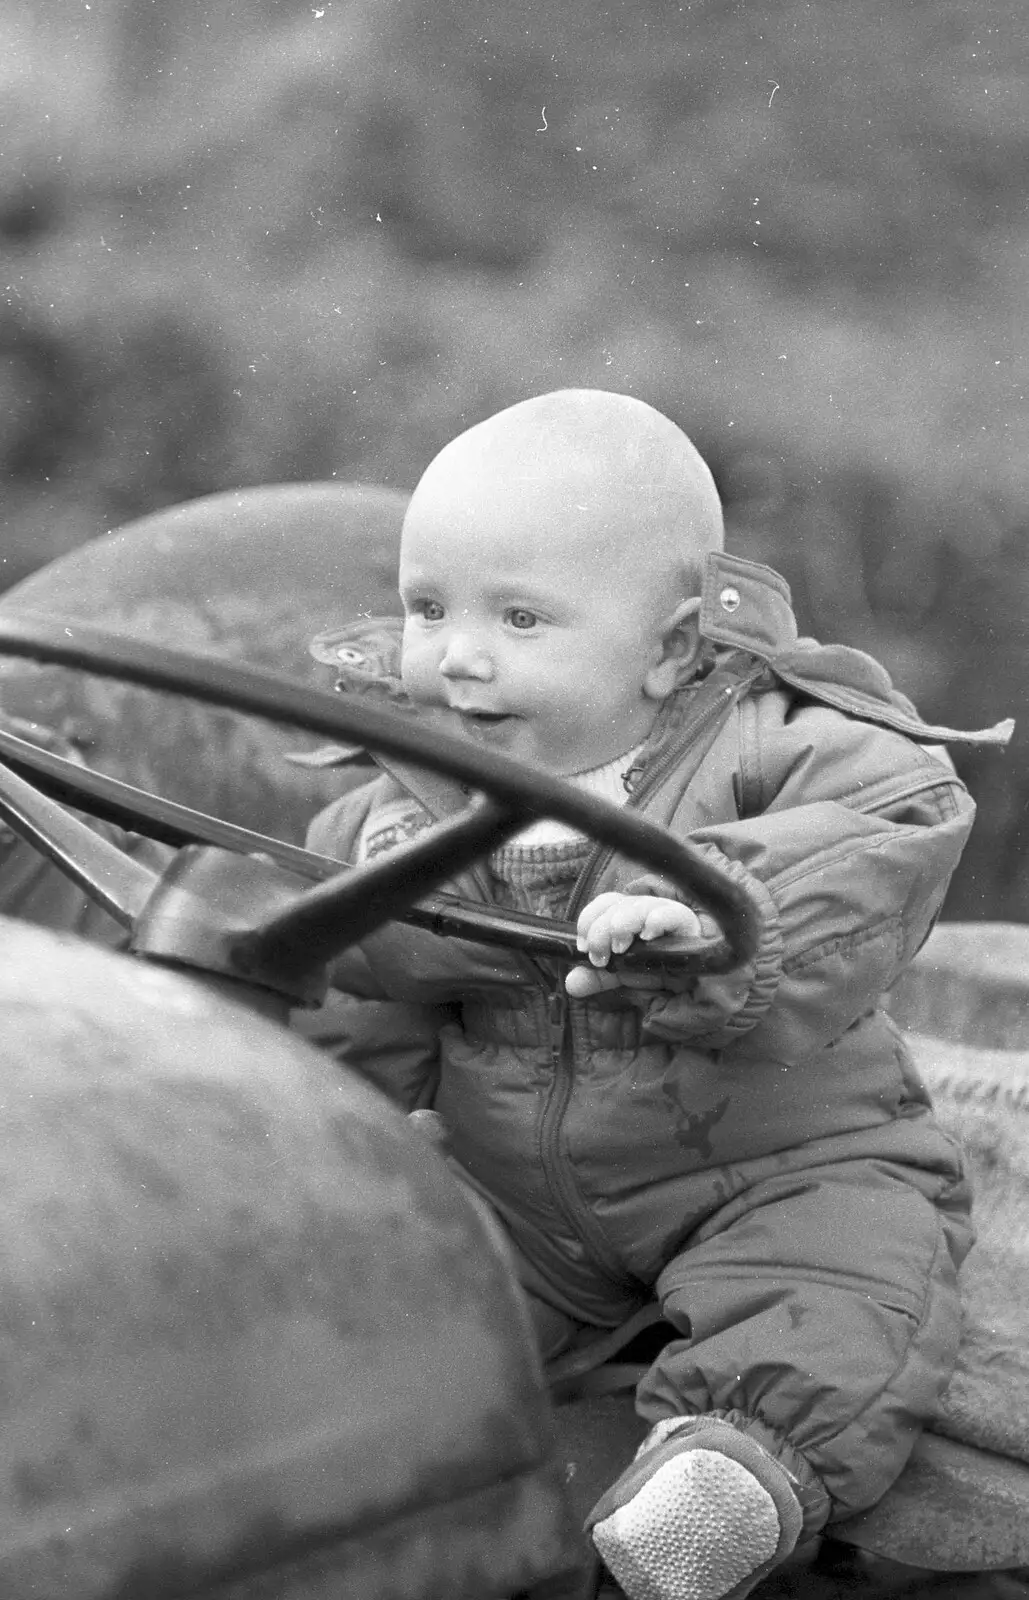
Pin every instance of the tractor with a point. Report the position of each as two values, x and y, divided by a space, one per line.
258 1342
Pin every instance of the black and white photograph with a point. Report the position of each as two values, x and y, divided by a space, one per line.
514 800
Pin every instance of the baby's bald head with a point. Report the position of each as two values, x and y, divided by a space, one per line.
606 474
550 564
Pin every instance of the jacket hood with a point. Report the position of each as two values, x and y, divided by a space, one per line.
747 606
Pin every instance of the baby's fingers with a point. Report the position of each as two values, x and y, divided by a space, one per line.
600 907
582 982
670 916
612 932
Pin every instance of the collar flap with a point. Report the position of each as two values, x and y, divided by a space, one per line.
746 606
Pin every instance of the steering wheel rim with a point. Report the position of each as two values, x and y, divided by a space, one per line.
519 794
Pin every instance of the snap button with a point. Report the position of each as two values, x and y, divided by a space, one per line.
729 599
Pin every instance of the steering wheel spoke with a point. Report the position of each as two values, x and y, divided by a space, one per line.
343 910
111 878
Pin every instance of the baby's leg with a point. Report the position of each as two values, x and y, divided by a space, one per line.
554 1329
822 1318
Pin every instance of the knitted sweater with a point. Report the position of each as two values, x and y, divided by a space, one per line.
537 868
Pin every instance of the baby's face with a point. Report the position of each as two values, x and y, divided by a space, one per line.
531 628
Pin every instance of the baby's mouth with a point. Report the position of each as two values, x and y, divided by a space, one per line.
484 722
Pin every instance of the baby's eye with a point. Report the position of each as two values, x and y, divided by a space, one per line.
430 610
522 619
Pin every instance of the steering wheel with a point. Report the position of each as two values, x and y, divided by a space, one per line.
241 905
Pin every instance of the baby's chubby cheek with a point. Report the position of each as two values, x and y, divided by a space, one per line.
420 677
427 690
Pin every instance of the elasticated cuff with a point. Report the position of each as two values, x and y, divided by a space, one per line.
709 1433
721 1007
807 1486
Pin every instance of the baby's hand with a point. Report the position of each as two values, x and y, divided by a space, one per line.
607 927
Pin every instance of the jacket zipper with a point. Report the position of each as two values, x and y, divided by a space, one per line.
569 1204
651 780
559 1181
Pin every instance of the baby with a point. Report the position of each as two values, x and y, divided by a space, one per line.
753 1150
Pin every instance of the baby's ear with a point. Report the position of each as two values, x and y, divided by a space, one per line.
680 646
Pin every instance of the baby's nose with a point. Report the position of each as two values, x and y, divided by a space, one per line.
466 657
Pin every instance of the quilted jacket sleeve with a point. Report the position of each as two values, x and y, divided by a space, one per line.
335 832
392 1043
846 838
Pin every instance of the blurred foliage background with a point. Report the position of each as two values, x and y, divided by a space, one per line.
245 241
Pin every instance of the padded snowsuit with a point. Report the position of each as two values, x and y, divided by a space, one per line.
754 1149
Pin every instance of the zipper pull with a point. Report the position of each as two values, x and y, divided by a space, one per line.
631 776
557 1014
